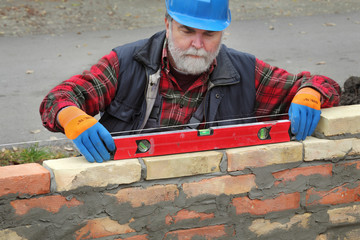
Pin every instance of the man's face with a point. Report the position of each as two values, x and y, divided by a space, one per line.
191 50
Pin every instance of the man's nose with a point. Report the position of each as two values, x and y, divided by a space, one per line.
197 41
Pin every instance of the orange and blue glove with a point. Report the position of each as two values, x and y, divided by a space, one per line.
304 112
91 138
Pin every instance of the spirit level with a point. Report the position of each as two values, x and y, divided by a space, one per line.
183 141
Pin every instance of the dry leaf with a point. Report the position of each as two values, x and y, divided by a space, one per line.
321 63
70 149
35 131
29 71
329 24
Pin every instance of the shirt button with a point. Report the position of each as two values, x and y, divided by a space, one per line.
217 96
181 105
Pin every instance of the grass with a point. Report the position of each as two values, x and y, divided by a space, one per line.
33 154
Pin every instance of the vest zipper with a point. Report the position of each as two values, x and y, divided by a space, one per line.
211 86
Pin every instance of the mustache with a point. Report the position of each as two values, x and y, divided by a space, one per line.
196 52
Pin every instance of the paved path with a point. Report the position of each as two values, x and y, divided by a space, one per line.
30 66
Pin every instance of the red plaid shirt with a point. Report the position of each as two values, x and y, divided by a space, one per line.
94 90
178 105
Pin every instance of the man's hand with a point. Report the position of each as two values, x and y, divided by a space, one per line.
304 112
90 137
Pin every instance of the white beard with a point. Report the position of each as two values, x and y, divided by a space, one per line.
188 64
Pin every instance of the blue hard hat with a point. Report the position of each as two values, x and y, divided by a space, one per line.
211 15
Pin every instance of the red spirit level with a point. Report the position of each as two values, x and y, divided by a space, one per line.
182 141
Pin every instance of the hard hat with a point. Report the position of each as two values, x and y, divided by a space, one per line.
211 15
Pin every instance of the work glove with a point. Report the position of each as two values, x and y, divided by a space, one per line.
90 137
304 112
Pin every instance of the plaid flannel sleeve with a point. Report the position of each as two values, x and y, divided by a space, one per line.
275 89
92 91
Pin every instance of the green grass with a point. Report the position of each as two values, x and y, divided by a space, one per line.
33 154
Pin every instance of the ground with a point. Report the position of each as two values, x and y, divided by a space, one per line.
31 17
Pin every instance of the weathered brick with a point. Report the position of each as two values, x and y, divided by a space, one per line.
316 149
261 207
344 194
179 165
339 120
22 179
10 234
263 227
228 185
36 230
138 196
71 173
102 227
352 234
321 237
341 233
264 155
209 233
290 175
49 203
187 215
345 215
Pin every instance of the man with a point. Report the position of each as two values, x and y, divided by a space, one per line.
179 76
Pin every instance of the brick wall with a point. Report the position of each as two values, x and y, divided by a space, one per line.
294 190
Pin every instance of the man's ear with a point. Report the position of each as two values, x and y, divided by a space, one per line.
167 25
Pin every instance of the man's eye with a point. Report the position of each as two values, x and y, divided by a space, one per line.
210 34
187 31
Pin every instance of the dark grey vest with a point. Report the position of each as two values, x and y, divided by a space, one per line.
231 93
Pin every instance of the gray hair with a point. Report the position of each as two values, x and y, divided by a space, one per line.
168 17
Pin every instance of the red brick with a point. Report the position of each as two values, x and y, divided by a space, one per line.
220 185
291 174
22 179
148 196
208 233
338 195
261 207
356 163
102 227
186 215
49 203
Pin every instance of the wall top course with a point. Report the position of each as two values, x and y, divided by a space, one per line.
75 172
341 120
191 164
316 149
31 179
341 112
21 170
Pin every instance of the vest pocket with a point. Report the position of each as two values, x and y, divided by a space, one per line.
123 112
120 117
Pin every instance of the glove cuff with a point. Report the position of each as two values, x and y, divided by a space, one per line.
308 97
75 121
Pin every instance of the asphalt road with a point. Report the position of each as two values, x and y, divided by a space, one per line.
31 65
